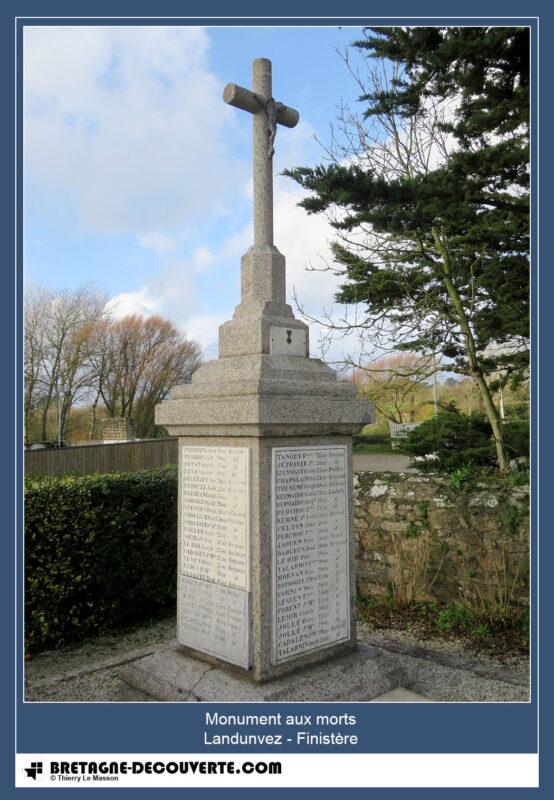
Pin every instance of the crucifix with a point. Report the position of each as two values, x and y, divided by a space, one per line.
267 113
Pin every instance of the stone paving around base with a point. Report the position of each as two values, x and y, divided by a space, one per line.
385 669
367 674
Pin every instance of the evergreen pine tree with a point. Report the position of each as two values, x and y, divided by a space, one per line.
453 275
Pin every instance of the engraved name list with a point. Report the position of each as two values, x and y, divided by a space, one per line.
214 597
310 549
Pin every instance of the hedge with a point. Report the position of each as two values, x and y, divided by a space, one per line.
100 553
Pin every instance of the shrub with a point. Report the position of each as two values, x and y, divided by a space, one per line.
452 441
100 552
491 593
516 436
517 411
414 568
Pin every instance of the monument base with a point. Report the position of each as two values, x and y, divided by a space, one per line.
171 676
265 556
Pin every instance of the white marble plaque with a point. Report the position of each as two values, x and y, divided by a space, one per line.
287 341
215 619
311 587
215 514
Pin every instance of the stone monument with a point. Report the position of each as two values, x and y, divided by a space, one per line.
265 555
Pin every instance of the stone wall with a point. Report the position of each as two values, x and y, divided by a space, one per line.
421 538
118 429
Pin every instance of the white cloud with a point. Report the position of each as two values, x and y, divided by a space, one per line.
204 330
291 145
203 257
117 120
304 240
141 302
237 244
171 294
158 242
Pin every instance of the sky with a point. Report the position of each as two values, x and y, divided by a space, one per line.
137 176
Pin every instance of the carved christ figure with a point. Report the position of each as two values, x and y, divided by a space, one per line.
271 111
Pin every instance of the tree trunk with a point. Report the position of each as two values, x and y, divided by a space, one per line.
474 368
93 417
44 417
66 412
53 383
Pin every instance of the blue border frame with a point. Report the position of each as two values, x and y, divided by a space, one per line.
386 728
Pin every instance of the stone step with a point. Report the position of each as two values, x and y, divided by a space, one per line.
171 676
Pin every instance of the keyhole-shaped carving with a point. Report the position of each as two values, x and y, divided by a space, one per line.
289 334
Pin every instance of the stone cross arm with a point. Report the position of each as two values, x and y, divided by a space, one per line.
253 102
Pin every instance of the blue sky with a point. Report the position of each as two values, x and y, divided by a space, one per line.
138 176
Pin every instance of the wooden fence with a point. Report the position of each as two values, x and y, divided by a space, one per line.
117 457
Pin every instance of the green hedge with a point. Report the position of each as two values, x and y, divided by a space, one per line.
100 552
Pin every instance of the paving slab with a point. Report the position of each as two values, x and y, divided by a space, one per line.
401 695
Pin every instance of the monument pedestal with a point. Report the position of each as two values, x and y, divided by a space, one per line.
265 559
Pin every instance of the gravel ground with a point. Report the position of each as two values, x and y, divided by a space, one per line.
447 670
89 672
516 663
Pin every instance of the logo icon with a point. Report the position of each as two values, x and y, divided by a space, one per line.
34 770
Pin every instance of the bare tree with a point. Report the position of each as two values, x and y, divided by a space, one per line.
138 363
387 146
98 355
57 370
76 352
37 304
393 382
76 367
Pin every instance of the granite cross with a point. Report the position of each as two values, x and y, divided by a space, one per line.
266 113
